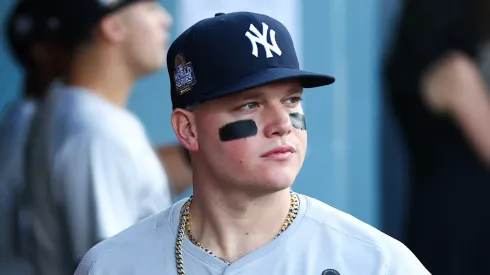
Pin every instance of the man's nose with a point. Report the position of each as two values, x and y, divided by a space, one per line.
277 120
166 19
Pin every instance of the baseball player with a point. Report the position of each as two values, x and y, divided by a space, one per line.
90 166
236 90
30 33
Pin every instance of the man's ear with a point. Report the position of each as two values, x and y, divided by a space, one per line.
112 28
184 125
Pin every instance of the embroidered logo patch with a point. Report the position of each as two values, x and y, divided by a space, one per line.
184 75
330 272
257 37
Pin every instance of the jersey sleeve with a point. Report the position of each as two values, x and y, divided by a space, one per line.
96 178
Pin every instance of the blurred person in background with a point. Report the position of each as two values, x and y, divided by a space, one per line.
90 167
30 30
437 81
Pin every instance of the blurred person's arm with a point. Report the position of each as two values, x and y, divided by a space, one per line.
177 166
100 191
455 86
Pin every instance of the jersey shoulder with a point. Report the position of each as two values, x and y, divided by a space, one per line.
130 248
72 111
335 219
397 257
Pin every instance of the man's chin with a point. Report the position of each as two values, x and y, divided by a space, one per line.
266 190
275 185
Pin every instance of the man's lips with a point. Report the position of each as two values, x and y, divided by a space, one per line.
283 150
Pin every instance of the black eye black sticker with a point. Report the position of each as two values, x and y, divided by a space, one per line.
248 128
298 121
238 130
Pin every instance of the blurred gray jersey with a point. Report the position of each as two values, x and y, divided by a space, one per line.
14 127
92 173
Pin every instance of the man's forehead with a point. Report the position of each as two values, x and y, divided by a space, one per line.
282 88
270 91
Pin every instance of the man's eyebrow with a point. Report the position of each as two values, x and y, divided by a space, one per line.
295 90
259 93
249 95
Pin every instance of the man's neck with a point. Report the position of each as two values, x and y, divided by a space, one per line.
233 225
103 75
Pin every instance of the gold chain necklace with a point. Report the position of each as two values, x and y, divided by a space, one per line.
184 229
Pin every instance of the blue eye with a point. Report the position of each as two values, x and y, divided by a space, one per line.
250 105
294 100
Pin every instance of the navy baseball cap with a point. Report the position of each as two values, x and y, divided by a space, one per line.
79 17
30 21
230 53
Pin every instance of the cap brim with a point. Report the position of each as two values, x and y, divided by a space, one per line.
271 75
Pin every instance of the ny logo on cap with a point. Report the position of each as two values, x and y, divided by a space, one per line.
261 38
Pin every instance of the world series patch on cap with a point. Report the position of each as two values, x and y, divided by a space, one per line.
230 53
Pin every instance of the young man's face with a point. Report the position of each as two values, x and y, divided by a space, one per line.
237 136
147 26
